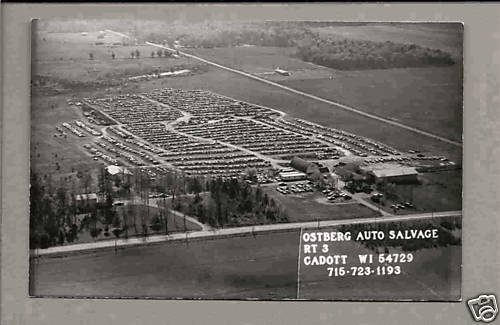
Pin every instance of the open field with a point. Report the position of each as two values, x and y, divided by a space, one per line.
46 149
241 267
440 281
432 98
236 268
262 61
70 62
305 207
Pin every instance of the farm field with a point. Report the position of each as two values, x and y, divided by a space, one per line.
233 268
440 281
432 98
304 207
262 61
236 268
71 61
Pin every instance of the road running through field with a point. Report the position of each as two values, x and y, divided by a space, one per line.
228 232
298 92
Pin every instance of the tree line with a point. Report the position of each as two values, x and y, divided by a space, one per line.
359 54
57 217
233 202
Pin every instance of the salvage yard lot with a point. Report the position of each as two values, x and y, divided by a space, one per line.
235 86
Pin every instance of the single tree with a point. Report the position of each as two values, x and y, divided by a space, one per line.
132 54
159 53
137 54
152 54
113 55
91 56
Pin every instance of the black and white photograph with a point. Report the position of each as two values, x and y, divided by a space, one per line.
246 160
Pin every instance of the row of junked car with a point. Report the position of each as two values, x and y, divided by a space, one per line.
285 188
334 194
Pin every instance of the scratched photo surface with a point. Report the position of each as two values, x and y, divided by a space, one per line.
271 160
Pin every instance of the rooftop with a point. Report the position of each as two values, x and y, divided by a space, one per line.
113 170
390 172
89 196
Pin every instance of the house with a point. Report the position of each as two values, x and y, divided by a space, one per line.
117 170
86 201
282 72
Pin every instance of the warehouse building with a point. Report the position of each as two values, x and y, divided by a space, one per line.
394 175
308 167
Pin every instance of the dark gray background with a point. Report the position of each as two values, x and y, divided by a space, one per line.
481 173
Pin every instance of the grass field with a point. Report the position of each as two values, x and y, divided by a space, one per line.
304 207
261 60
440 281
262 267
71 59
46 150
426 98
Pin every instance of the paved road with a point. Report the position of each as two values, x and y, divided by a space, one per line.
228 232
339 105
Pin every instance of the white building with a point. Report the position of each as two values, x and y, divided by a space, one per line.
292 176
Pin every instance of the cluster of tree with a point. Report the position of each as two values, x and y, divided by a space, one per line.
56 216
358 54
54 209
445 238
229 35
161 53
52 214
233 202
